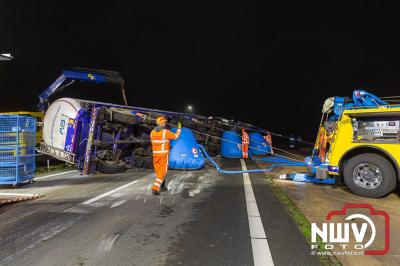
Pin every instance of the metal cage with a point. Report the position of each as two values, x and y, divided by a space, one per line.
17 148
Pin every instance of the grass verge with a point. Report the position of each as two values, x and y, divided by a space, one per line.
43 169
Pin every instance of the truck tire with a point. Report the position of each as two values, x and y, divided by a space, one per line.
369 175
123 118
142 151
202 129
110 167
188 123
143 162
215 138
148 163
213 150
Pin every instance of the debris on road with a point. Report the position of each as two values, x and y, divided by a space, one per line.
8 198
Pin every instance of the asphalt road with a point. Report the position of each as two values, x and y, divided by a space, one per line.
204 219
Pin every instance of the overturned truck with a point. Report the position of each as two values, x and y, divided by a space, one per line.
110 138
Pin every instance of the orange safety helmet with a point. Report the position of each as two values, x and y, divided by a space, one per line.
160 120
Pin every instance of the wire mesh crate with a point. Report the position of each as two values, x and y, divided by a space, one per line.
17 149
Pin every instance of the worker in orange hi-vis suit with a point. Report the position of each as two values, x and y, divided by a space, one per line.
323 140
268 138
245 144
160 137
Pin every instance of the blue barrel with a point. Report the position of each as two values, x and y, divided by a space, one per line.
184 153
231 145
258 145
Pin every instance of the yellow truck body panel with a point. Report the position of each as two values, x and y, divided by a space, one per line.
343 141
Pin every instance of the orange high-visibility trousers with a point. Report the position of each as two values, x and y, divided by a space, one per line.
160 164
322 147
245 150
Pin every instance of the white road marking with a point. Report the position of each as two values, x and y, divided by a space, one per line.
90 201
252 209
51 232
259 243
52 175
107 244
261 252
77 209
204 181
250 197
178 183
256 228
194 192
118 203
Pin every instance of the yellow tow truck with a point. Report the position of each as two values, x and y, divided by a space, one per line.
359 144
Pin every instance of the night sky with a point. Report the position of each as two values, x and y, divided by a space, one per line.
271 64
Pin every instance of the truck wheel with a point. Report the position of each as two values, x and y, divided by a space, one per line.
202 129
188 123
123 118
369 175
214 138
142 151
148 163
212 150
110 167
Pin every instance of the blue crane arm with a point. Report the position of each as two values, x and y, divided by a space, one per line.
364 98
98 76
81 74
102 76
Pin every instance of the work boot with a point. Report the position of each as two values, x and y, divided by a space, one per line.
163 187
155 192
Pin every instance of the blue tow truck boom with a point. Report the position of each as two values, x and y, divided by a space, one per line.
81 74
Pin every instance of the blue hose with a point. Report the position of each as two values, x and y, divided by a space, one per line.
278 159
203 150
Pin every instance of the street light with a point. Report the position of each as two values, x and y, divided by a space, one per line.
189 108
5 57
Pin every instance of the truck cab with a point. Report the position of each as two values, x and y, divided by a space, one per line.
364 150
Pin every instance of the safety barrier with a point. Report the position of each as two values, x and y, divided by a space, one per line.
222 171
17 148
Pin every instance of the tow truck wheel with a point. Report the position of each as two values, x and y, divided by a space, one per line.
369 175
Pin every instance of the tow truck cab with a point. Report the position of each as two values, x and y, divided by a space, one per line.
364 149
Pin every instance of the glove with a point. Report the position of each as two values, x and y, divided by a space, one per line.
179 125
